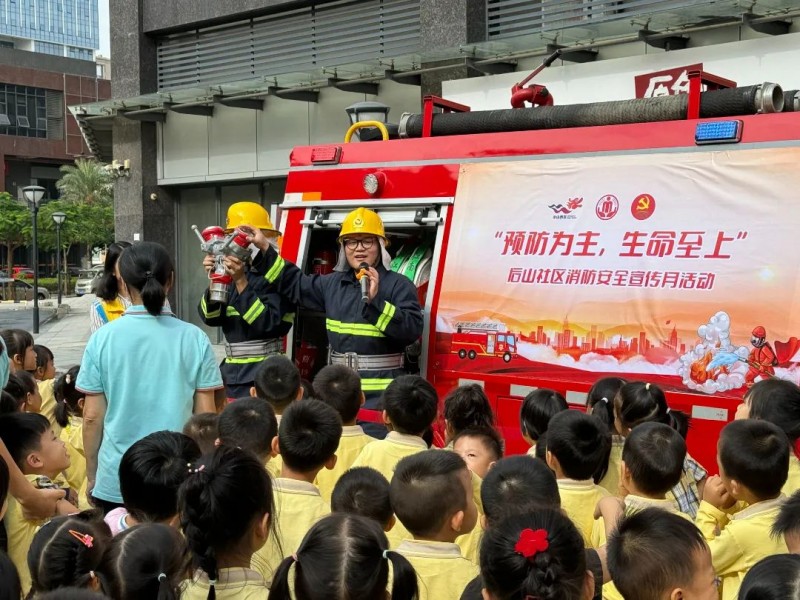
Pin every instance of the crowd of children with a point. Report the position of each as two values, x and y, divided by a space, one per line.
282 495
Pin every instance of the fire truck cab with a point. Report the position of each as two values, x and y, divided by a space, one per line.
512 316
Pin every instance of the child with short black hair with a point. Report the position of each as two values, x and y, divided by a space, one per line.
777 401
150 473
45 368
344 557
249 424
22 386
655 554
535 555
788 523
67 552
516 485
640 402
68 415
226 508
577 451
753 460
652 464
538 407
147 561
431 494
339 387
44 375
41 457
202 428
307 439
410 405
466 407
480 449
773 578
600 404
10 588
19 346
278 382
364 491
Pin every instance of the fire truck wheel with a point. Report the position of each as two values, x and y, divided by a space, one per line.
472 354
462 353
507 357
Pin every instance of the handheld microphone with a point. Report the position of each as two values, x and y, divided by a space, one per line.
364 280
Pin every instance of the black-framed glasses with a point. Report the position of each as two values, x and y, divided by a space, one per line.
352 243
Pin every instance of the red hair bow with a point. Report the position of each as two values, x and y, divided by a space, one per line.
531 542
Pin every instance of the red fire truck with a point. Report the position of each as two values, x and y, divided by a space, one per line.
680 245
472 340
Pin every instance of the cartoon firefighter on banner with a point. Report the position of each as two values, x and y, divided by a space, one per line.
254 318
762 359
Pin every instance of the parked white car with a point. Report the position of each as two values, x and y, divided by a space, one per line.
87 279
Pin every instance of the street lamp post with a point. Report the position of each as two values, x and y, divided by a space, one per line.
33 195
59 218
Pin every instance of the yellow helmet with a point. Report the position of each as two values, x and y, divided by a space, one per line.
362 220
249 213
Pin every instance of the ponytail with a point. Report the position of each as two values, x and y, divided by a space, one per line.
349 554
67 396
404 582
539 554
147 268
279 589
600 399
639 402
108 286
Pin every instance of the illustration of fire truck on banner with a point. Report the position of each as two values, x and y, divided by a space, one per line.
474 339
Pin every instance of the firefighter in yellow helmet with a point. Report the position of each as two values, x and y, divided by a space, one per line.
255 317
368 332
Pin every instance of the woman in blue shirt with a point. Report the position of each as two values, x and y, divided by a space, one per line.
147 372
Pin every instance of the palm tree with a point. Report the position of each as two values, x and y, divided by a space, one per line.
85 183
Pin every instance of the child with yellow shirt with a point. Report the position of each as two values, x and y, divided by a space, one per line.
226 508
431 493
777 401
278 382
249 424
307 439
68 416
753 460
577 451
44 375
656 554
41 456
538 407
365 492
344 556
339 387
410 404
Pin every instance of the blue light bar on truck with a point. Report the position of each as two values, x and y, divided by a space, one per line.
718 132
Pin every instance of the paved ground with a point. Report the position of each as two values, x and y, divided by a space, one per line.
66 336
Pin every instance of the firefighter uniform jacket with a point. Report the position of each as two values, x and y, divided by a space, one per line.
388 324
258 313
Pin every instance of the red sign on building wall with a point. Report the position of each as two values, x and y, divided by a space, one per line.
665 83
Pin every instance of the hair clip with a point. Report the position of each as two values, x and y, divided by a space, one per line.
531 542
197 470
83 538
68 378
162 577
668 409
386 554
212 582
647 386
604 399
294 557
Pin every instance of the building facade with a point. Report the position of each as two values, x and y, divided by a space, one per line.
209 98
59 27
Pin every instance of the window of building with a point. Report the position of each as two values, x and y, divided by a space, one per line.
49 48
23 111
82 53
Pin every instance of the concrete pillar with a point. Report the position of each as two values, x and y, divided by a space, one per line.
134 75
449 24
